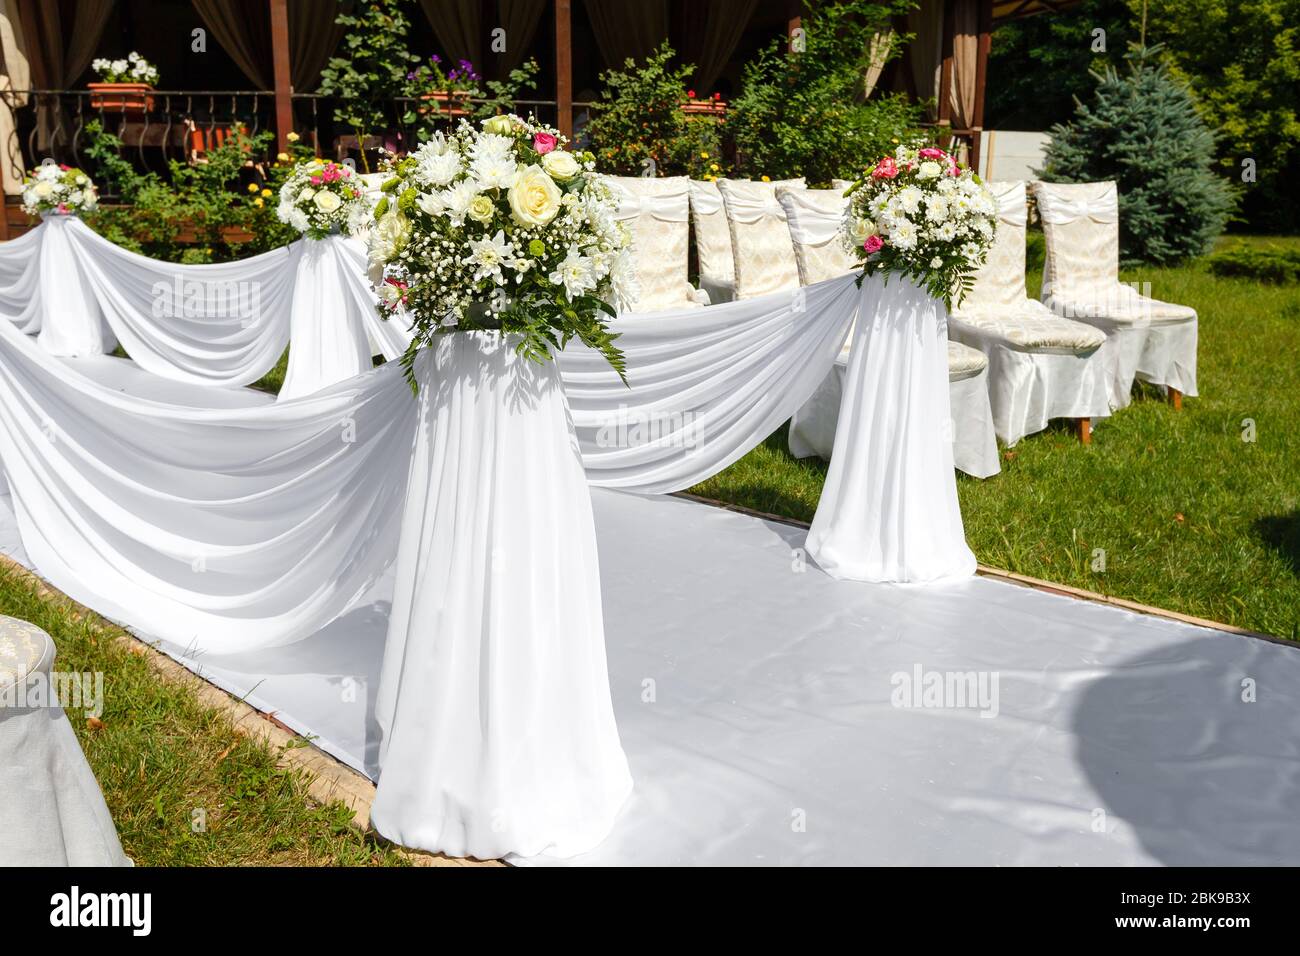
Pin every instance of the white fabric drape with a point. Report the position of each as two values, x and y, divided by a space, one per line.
228 529
218 324
704 385
493 698
888 510
1059 210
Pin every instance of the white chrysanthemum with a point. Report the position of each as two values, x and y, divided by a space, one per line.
903 235
431 204
492 146
936 208
947 232
456 201
575 273
298 219
494 172
487 255
909 199
947 185
438 169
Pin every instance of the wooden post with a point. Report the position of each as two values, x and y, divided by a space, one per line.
981 79
280 64
564 67
1085 431
1176 399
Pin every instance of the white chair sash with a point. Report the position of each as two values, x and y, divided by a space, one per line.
1059 210
1010 197
706 200
812 222
750 210
670 208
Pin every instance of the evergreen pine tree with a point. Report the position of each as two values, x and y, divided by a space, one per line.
1143 131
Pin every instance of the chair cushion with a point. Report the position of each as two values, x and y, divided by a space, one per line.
1030 326
964 361
1116 302
712 237
24 649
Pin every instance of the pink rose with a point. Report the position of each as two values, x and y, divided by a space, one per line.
873 244
544 143
931 153
885 169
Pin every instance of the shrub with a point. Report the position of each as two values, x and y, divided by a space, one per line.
1277 266
639 127
803 113
1143 131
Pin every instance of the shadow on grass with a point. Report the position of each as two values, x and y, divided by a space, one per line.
1281 533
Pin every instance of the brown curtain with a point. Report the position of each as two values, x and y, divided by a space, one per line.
709 37
61 43
458 26
313 38
965 54
878 54
243 29
925 52
626 30
519 18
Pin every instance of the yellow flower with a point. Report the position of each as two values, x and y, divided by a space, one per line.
534 198
292 137
704 155
766 179
266 192
713 166
252 187
281 157
258 202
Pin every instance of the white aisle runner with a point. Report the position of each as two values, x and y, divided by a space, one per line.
753 698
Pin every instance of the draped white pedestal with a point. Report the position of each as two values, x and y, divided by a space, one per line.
888 510
71 322
493 700
327 327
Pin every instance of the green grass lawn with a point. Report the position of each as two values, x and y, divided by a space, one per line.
1191 517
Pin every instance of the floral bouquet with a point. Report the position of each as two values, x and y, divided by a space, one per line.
59 189
321 197
134 69
502 228
918 213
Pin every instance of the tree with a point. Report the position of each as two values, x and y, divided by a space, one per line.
802 112
1242 60
1143 131
372 68
1038 66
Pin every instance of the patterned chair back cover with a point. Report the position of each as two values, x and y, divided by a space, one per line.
712 241
25 649
1000 282
815 218
761 246
657 213
1081 226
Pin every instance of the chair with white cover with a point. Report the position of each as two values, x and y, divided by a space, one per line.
712 242
52 812
815 217
657 212
1041 366
1154 341
761 246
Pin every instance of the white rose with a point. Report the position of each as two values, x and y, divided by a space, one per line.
43 190
534 197
306 195
561 165
928 170
327 201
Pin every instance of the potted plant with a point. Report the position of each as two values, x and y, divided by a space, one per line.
714 105
124 85
448 91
